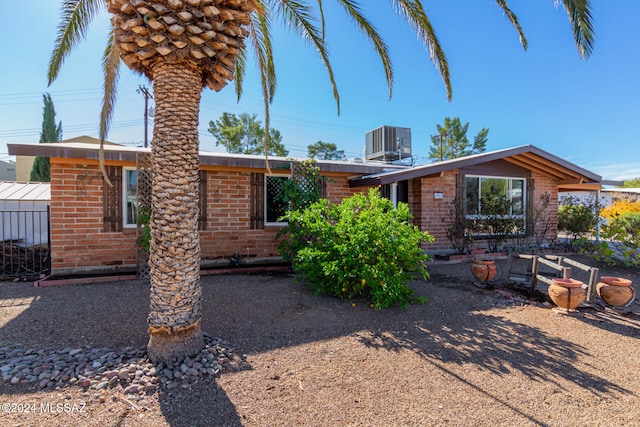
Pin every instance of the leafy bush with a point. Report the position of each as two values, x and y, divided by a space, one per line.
299 192
360 247
623 233
620 207
496 223
576 218
143 219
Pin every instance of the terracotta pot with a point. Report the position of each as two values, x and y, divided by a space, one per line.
567 293
615 290
483 270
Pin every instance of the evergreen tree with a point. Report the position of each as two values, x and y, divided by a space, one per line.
632 183
244 134
50 133
451 140
324 151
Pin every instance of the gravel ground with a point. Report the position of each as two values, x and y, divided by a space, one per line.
470 356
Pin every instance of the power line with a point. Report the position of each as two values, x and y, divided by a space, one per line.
145 92
15 133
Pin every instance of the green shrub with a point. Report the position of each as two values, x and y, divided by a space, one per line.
362 247
144 234
623 233
620 206
576 218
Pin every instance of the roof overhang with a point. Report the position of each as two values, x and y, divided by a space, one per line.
119 153
528 157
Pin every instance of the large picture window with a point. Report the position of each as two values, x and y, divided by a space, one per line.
493 199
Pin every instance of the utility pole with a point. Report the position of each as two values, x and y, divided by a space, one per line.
145 92
442 135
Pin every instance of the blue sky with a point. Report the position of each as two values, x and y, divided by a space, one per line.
586 112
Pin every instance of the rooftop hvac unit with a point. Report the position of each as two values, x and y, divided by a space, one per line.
388 144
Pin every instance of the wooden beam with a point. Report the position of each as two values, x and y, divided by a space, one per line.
585 186
550 164
571 181
551 173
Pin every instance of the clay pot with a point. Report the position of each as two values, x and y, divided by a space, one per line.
567 293
615 290
483 270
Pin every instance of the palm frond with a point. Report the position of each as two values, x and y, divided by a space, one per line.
354 12
514 21
581 20
413 12
321 13
239 73
299 18
111 72
260 32
75 17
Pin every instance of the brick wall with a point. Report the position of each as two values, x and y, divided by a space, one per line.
428 212
78 241
547 185
229 214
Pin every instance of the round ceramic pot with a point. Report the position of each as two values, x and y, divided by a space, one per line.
483 270
615 291
567 293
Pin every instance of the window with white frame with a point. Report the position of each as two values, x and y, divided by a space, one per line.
494 197
121 201
274 206
129 203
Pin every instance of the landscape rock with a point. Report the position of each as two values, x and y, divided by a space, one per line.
103 368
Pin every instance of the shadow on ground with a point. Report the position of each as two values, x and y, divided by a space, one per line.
256 314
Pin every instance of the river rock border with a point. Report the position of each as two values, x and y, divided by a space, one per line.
102 368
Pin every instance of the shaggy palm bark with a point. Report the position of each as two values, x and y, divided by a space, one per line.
175 310
182 46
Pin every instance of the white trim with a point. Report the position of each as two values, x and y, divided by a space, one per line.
125 180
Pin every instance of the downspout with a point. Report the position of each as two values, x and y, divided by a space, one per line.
394 194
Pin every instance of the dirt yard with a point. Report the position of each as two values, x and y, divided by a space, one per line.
468 357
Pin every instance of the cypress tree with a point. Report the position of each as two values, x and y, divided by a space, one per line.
50 133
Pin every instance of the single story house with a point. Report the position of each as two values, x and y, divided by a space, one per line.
93 224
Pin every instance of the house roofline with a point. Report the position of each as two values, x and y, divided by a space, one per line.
526 156
119 153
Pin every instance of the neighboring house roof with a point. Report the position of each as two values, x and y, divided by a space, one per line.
526 156
75 150
622 190
25 191
84 139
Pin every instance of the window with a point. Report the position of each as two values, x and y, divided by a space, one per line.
491 199
130 203
274 206
112 199
121 199
267 205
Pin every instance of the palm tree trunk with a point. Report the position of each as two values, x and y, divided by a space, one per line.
176 297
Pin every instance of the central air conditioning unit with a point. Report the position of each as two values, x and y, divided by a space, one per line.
388 144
